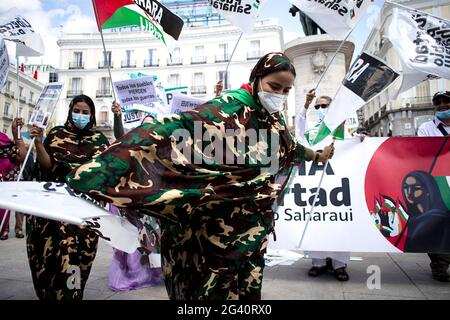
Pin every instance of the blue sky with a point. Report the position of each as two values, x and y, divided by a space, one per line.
50 17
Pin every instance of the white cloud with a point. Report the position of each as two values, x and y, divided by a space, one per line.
47 24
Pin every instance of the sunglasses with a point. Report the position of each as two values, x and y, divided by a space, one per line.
317 106
439 101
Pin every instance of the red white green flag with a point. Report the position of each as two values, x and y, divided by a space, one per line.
148 15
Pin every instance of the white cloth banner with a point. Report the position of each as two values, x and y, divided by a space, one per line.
241 13
181 102
4 63
337 18
422 43
46 104
56 201
368 201
16 28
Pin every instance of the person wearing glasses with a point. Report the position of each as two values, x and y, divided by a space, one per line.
322 261
438 127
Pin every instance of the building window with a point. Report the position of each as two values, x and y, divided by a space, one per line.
53 77
174 80
199 55
7 108
8 86
199 84
151 61
76 88
77 62
224 76
31 97
104 88
106 60
103 116
176 58
255 51
223 53
129 62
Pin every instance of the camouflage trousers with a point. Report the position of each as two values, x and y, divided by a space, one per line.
192 271
60 257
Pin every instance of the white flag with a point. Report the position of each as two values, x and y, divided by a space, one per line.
336 17
4 63
15 28
422 43
241 13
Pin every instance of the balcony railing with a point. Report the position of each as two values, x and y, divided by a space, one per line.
104 64
76 65
223 58
198 60
9 93
31 102
23 99
128 64
177 61
151 63
73 93
198 90
418 101
253 55
103 93
7 116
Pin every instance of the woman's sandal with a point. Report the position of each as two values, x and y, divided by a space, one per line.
4 236
317 271
341 274
19 234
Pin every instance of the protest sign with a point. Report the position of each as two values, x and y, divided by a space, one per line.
46 104
181 102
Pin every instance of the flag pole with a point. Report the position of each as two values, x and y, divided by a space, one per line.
104 49
232 54
17 92
19 176
332 59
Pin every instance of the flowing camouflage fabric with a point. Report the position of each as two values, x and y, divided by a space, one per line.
56 250
215 216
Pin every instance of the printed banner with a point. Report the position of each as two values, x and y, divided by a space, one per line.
57 201
367 78
379 195
181 102
336 17
46 104
15 28
422 43
4 63
176 90
241 13
138 91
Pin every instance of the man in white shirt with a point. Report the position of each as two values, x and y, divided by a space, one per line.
439 126
321 260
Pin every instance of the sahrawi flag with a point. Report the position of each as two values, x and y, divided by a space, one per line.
422 43
15 28
336 17
241 13
150 15
366 78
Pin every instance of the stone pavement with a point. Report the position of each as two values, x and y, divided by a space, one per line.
403 276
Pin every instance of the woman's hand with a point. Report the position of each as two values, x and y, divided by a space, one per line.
219 88
36 132
17 123
116 108
309 97
326 154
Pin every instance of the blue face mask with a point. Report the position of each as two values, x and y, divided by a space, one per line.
443 115
80 120
320 113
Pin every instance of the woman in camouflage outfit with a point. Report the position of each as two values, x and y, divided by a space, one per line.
61 254
216 197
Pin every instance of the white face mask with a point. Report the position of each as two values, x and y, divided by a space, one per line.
272 102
